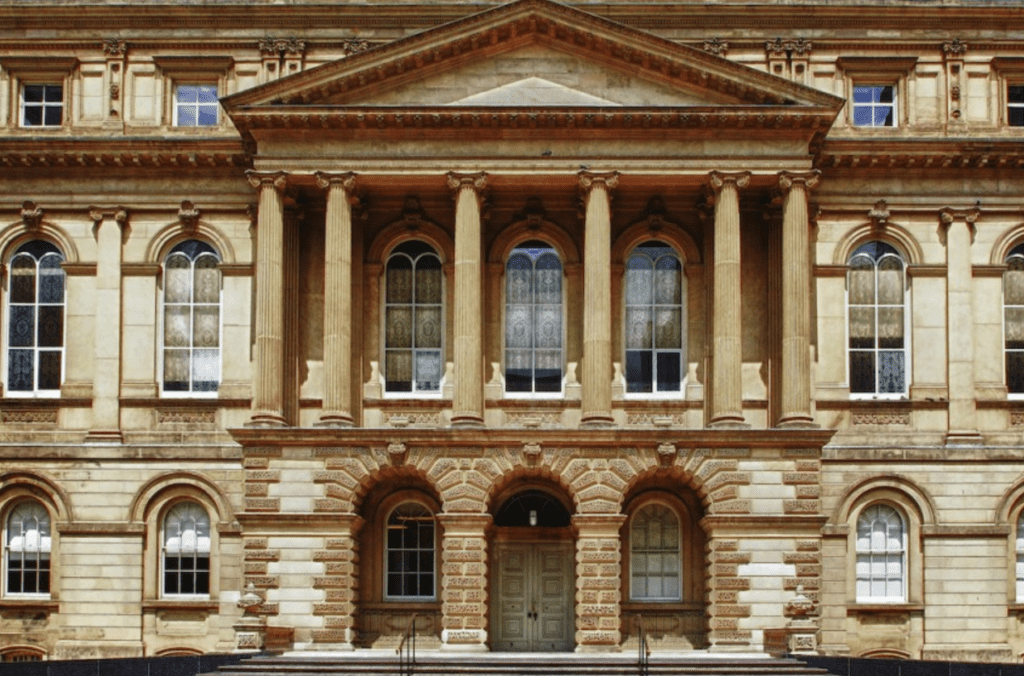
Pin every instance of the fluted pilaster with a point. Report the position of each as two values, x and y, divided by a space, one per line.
268 409
796 304
337 404
468 400
727 374
963 423
597 299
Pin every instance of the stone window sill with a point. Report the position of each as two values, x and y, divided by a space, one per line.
32 605
182 604
884 608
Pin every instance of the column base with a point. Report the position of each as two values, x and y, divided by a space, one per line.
467 421
464 641
267 419
798 421
597 421
334 419
600 648
964 438
104 437
729 421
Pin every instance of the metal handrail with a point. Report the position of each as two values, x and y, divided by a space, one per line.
407 658
643 648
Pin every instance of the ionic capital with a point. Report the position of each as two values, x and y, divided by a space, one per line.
267 179
345 181
476 182
809 179
949 216
718 179
99 214
588 179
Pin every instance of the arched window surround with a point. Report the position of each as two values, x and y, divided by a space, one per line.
664 555
1013 322
422 556
34 575
880 547
183 572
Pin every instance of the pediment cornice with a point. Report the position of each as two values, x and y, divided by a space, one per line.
122 153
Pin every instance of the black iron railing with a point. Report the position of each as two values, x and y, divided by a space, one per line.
407 649
643 648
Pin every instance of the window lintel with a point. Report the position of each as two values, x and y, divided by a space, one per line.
39 67
194 66
877 66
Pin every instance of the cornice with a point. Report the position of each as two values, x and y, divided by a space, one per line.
121 152
941 153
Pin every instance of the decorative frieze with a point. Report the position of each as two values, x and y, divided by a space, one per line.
881 417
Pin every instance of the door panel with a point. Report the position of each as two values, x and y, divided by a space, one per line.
534 592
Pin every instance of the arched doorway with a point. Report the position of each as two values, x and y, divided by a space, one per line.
532 583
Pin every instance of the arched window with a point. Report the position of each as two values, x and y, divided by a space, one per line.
28 549
413 320
192 289
654 551
876 302
1013 317
881 554
410 546
35 335
655 320
1020 557
533 320
186 550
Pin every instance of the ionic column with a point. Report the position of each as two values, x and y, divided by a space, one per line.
111 230
796 303
268 405
727 373
464 565
598 582
468 400
337 404
963 424
597 299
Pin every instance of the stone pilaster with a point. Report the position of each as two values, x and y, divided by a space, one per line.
796 304
464 566
268 405
468 400
963 424
598 582
727 359
597 300
111 231
337 404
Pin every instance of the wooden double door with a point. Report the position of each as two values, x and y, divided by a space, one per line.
532 599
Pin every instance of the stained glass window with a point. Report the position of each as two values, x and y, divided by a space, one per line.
410 551
413 320
876 293
186 554
1013 317
881 554
35 334
654 555
533 319
192 288
28 549
655 320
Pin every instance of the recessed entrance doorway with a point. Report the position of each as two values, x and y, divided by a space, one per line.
533 584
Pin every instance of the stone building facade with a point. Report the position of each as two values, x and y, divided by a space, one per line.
524 320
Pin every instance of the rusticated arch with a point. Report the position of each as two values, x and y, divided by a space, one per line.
524 230
152 495
675 480
174 234
390 478
890 233
17 234
39 486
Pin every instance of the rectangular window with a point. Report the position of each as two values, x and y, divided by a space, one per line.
1015 105
42 105
874 106
195 105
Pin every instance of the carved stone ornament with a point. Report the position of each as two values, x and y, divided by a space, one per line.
588 179
776 48
258 179
31 215
350 47
954 48
115 91
879 214
716 46
188 216
800 46
114 47
280 46
667 454
250 602
809 179
345 181
477 181
531 454
801 606
718 179
397 453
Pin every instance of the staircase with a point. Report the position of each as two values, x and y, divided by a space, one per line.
519 664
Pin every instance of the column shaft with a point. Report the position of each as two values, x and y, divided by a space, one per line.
468 400
796 304
268 377
337 404
963 425
727 371
106 407
597 301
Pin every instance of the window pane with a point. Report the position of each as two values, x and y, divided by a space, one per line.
519 280
176 326
428 280
891 373
1013 281
428 327
20 370
206 94
667 281
33 93
428 371
23 326
23 279
861 281
51 279
862 327
177 279
890 327
863 116
639 281
398 371
398 327
207 116
205 370
639 328
176 370
890 281
1015 116
207 279
53 115
51 326
548 327
49 370
639 373
862 372
206 331
669 329
1015 372
669 372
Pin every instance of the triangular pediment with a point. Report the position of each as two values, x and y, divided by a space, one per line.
528 54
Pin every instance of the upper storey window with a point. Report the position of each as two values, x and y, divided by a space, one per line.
533 320
192 289
42 105
876 303
1013 317
413 320
35 335
655 320
874 105
1015 105
195 105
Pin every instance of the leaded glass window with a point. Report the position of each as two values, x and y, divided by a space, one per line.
881 554
35 334
192 287
654 555
28 549
1020 558
1013 317
413 320
533 320
186 555
410 552
655 320
876 293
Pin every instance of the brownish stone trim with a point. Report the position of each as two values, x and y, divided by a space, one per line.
101 528
205 605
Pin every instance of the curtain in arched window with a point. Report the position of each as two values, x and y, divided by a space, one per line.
881 554
413 320
533 319
28 549
654 549
186 545
1020 558
1013 317
35 333
192 287
876 302
655 319
410 546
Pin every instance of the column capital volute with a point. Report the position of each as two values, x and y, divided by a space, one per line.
588 179
809 179
274 179
948 216
117 214
346 181
476 181
718 179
